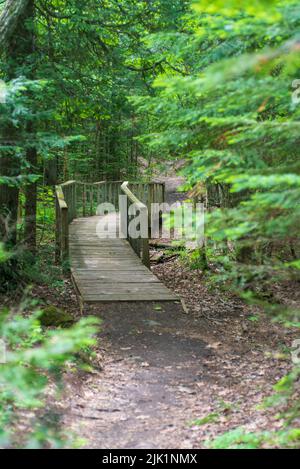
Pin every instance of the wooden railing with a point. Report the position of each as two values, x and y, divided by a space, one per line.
139 244
75 198
69 190
62 226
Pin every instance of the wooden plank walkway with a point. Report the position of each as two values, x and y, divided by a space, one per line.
108 270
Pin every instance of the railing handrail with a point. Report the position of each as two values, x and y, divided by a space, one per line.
139 245
67 183
133 199
60 197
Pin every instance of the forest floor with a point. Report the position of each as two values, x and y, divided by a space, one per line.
168 376
163 367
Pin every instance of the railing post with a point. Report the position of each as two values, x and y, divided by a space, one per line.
91 201
98 194
57 232
123 210
84 200
109 199
150 202
75 199
62 223
146 252
64 234
163 192
145 239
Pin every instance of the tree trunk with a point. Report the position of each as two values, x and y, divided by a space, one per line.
10 16
31 204
9 194
23 45
14 44
8 201
31 152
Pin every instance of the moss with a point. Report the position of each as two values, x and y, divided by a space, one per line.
53 316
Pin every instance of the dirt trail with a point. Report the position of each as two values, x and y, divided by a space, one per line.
142 399
164 367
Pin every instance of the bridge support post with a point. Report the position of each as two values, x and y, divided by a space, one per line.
146 252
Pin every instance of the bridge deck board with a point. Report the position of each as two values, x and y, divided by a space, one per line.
108 270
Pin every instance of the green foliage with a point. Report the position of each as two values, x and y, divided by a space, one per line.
32 360
288 412
233 118
261 9
4 255
25 104
95 57
238 439
210 418
241 439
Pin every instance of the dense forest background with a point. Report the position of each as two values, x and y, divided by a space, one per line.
118 89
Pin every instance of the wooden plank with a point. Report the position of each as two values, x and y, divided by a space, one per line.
84 273
102 266
130 288
101 247
104 259
108 261
112 297
83 241
89 241
117 278
139 268
111 251
100 256
99 252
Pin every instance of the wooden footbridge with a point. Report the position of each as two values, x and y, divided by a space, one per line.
105 267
